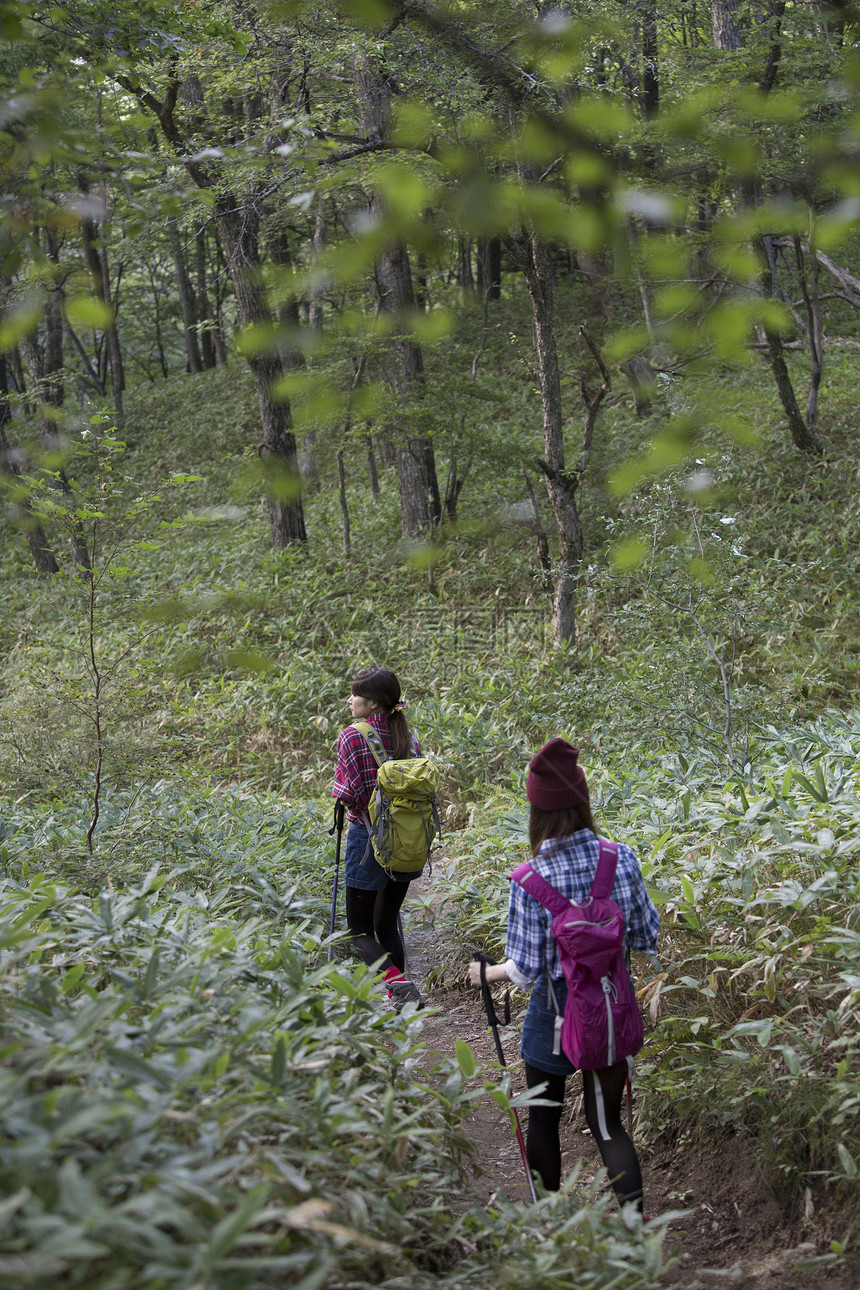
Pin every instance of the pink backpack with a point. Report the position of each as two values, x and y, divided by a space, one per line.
601 1023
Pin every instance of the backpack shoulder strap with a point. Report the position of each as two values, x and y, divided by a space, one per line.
372 740
605 873
543 891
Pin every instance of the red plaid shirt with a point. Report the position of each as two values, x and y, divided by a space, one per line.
355 772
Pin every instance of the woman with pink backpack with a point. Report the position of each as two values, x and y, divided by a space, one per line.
599 908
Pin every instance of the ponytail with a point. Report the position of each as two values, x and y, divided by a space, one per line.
380 685
401 736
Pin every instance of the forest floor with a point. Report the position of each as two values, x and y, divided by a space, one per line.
734 1231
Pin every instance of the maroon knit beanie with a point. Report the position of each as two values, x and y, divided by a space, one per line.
555 780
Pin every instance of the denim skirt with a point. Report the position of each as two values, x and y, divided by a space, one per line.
369 876
539 1029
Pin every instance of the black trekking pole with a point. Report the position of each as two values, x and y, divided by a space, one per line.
337 827
490 1009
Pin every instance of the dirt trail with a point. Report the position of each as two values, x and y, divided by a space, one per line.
734 1234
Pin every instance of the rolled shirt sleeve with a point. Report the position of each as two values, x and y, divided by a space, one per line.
528 927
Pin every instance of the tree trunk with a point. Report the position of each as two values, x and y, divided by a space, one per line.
465 276
801 434
203 307
775 13
310 462
238 226
372 473
44 387
344 508
650 66
420 505
724 20
212 343
490 267
156 306
812 301
186 300
43 556
95 252
561 483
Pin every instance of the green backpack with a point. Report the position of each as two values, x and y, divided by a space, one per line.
403 814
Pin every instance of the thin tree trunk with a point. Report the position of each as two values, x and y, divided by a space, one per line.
539 532
90 367
187 302
344 508
316 313
238 225
17 367
465 276
95 253
420 506
372 473
43 387
776 10
812 301
561 484
204 308
650 66
43 557
802 436
490 267
156 302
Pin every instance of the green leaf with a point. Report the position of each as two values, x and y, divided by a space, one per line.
465 1058
18 324
849 1164
72 977
279 1062
151 975
629 554
88 311
249 660
227 1232
373 15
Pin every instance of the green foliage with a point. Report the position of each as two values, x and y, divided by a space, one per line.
189 1094
190 1091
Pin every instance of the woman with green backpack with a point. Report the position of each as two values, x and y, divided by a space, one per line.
374 895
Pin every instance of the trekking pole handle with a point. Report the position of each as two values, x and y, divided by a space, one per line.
485 962
489 1007
339 814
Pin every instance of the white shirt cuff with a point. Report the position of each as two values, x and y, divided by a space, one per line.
514 974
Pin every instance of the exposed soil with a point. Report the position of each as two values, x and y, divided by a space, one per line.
734 1231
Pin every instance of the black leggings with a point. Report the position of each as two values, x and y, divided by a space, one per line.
371 917
603 1117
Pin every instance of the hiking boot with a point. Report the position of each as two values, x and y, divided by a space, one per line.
401 992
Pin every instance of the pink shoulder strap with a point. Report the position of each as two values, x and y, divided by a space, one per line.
553 900
543 891
605 873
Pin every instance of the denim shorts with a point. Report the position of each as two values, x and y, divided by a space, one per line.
369 876
539 1029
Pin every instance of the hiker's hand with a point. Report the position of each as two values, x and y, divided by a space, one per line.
494 972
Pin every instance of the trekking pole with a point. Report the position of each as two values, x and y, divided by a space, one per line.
337 827
490 1009
403 943
629 1108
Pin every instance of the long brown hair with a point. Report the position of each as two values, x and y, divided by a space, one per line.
558 824
380 685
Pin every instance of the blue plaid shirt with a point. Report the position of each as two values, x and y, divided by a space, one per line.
570 864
